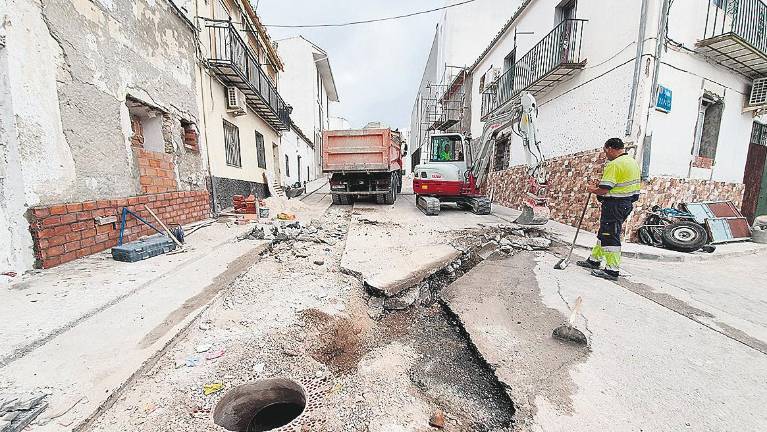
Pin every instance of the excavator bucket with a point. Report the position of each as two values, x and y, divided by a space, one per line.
533 215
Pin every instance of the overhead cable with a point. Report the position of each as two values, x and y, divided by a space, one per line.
368 21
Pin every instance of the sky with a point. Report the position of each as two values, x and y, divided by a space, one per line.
377 67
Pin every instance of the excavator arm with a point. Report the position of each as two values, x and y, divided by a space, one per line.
522 122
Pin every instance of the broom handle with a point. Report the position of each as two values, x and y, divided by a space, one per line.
170 234
580 222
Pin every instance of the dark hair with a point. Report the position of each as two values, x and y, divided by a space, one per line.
614 143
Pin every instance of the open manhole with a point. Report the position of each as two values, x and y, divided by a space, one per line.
263 405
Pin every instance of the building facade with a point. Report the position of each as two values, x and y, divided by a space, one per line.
442 96
244 115
309 86
98 111
675 80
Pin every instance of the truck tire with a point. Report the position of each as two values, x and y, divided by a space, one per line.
684 236
391 196
399 184
345 199
336 199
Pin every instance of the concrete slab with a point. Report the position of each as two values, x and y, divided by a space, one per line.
409 246
650 366
85 353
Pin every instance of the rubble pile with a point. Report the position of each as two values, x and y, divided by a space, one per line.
314 232
17 411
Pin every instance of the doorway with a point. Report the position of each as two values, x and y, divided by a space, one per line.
276 165
755 176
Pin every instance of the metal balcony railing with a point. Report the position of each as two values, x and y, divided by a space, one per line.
237 65
551 60
735 35
746 19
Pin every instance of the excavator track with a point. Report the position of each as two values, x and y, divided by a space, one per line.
480 205
428 205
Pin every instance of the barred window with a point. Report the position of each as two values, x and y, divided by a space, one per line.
232 145
260 150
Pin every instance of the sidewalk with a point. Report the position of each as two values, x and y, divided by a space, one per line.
81 330
586 241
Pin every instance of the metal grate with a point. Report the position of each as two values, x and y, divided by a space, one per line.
758 92
232 145
759 134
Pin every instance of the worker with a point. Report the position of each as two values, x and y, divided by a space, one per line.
445 154
617 191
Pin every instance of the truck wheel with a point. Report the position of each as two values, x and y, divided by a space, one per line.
399 184
381 199
684 236
336 199
391 196
344 199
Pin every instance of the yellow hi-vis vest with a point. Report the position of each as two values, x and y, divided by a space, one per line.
621 177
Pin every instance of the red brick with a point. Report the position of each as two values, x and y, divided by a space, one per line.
86 242
53 251
72 246
101 238
132 201
145 181
154 163
121 202
90 205
69 218
73 236
58 209
102 229
45 233
51 262
41 212
64 229
76 207
90 232
142 162
51 221
85 215
102 204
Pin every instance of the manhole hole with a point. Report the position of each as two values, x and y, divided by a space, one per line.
275 404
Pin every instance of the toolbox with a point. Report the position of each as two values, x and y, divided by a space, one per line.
142 249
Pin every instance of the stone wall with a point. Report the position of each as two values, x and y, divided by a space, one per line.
65 232
571 175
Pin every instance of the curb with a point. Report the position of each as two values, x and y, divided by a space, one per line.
679 259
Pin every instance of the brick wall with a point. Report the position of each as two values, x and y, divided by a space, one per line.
571 175
157 171
64 232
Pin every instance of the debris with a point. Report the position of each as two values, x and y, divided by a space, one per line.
203 348
319 262
209 389
403 300
18 411
376 307
205 325
149 407
259 368
9 274
437 419
286 216
199 412
214 355
192 361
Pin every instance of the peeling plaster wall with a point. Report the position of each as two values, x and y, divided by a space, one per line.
67 67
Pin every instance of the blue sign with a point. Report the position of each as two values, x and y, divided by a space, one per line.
664 99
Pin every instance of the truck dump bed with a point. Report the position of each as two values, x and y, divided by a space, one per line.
364 150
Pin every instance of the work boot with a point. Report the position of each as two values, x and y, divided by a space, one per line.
606 274
589 264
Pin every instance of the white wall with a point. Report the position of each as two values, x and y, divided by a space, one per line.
688 74
581 113
294 146
338 123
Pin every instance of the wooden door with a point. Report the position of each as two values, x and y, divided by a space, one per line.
755 196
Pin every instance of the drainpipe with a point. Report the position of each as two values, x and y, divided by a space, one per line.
637 68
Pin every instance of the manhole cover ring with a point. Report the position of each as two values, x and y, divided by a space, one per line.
237 410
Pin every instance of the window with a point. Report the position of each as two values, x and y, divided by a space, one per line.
707 130
287 166
190 136
232 145
260 150
446 148
146 126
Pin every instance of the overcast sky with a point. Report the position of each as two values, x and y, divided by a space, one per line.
377 67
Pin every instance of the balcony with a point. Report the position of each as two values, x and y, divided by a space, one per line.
556 58
736 36
236 65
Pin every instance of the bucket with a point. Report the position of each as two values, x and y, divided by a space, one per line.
759 235
263 212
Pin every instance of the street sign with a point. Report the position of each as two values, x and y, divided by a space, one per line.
664 99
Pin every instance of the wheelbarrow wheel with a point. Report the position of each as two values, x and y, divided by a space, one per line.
684 236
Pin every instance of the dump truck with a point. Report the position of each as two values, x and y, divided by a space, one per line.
363 162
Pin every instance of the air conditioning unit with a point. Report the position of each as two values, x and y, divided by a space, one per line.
758 93
235 101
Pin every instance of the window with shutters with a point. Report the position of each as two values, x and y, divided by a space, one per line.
232 145
260 150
